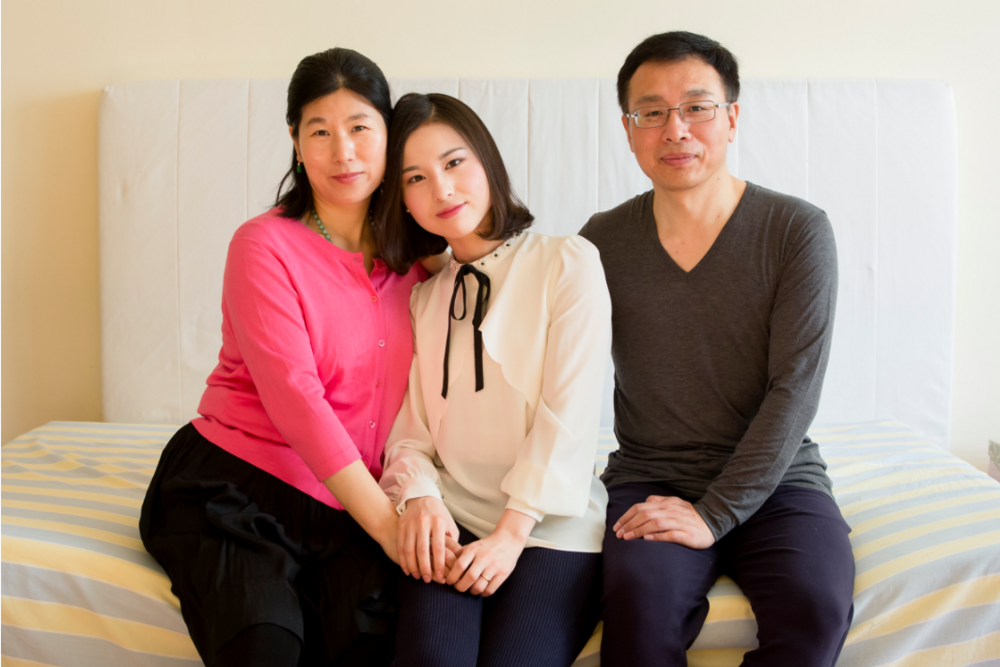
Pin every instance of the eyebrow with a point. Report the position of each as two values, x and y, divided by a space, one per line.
440 157
645 99
320 119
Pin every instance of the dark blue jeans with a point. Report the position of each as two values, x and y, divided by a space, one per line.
792 559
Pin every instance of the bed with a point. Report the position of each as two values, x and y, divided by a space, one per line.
183 163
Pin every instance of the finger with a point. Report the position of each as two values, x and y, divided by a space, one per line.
646 515
461 565
469 579
452 527
680 537
408 555
438 551
449 562
480 584
496 581
453 546
624 518
656 525
424 551
401 547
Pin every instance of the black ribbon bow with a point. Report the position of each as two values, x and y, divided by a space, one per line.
482 299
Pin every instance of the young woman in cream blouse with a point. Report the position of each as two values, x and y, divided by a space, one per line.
495 442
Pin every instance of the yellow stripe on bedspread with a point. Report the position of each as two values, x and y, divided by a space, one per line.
76 580
59 618
926 537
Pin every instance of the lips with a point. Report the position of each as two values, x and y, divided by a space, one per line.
348 177
677 159
451 212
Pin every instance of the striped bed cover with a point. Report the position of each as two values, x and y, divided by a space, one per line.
78 589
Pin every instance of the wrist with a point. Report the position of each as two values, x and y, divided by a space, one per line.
386 531
515 526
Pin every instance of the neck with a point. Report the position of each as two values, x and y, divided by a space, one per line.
347 225
472 247
704 207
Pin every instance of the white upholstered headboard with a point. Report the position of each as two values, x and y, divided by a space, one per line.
184 163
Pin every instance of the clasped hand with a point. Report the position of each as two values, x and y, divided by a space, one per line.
427 539
429 550
665 519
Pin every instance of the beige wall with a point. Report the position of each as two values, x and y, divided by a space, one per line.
58 54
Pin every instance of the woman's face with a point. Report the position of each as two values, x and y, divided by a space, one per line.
444 183
341 144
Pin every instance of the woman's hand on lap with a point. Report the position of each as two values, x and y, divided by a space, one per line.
428 540
485 564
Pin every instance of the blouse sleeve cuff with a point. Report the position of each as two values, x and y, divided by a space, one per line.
418 487
523 508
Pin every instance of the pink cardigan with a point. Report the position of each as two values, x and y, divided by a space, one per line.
315 355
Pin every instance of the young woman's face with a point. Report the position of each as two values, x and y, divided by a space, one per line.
341 143
444 183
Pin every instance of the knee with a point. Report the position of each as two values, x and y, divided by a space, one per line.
816 609
636 604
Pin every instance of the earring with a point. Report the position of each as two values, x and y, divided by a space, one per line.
298 168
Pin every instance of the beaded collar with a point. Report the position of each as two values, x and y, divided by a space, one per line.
483 262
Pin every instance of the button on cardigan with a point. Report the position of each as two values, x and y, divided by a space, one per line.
528 440
314 355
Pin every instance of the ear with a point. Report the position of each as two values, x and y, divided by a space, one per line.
628 132
295 142
734 114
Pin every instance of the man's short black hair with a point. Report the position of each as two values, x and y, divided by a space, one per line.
670 47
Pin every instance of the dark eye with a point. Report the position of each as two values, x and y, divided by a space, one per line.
414 179
695 108
358 128
652 113
320 133
453 163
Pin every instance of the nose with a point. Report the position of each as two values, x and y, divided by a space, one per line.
342 148
676 129
443 189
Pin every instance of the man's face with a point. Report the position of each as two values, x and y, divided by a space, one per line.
680 155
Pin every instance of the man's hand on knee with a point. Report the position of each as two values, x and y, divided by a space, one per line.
664 519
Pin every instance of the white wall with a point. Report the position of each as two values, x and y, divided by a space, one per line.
58 54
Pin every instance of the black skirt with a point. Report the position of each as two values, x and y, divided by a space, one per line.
242 547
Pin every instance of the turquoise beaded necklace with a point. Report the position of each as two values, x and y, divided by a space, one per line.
322 228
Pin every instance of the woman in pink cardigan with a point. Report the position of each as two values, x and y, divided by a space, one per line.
266 511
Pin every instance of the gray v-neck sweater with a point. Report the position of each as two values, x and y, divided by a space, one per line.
718 370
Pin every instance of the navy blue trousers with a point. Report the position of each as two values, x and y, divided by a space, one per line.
541 616
792 559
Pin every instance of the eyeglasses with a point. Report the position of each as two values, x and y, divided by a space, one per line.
700 111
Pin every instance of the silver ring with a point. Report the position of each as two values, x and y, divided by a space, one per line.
488 580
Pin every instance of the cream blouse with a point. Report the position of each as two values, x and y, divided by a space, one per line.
528 440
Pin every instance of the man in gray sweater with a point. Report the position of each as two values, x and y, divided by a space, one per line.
723 296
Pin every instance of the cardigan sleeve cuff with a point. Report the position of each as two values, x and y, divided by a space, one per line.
523 508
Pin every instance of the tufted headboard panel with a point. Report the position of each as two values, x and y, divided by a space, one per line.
183 163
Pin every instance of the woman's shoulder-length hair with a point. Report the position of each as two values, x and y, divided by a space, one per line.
401 241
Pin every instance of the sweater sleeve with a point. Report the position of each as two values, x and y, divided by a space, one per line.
264 312
801 330
410 471
555 463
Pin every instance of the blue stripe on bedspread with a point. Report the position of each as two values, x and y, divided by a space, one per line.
79 589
